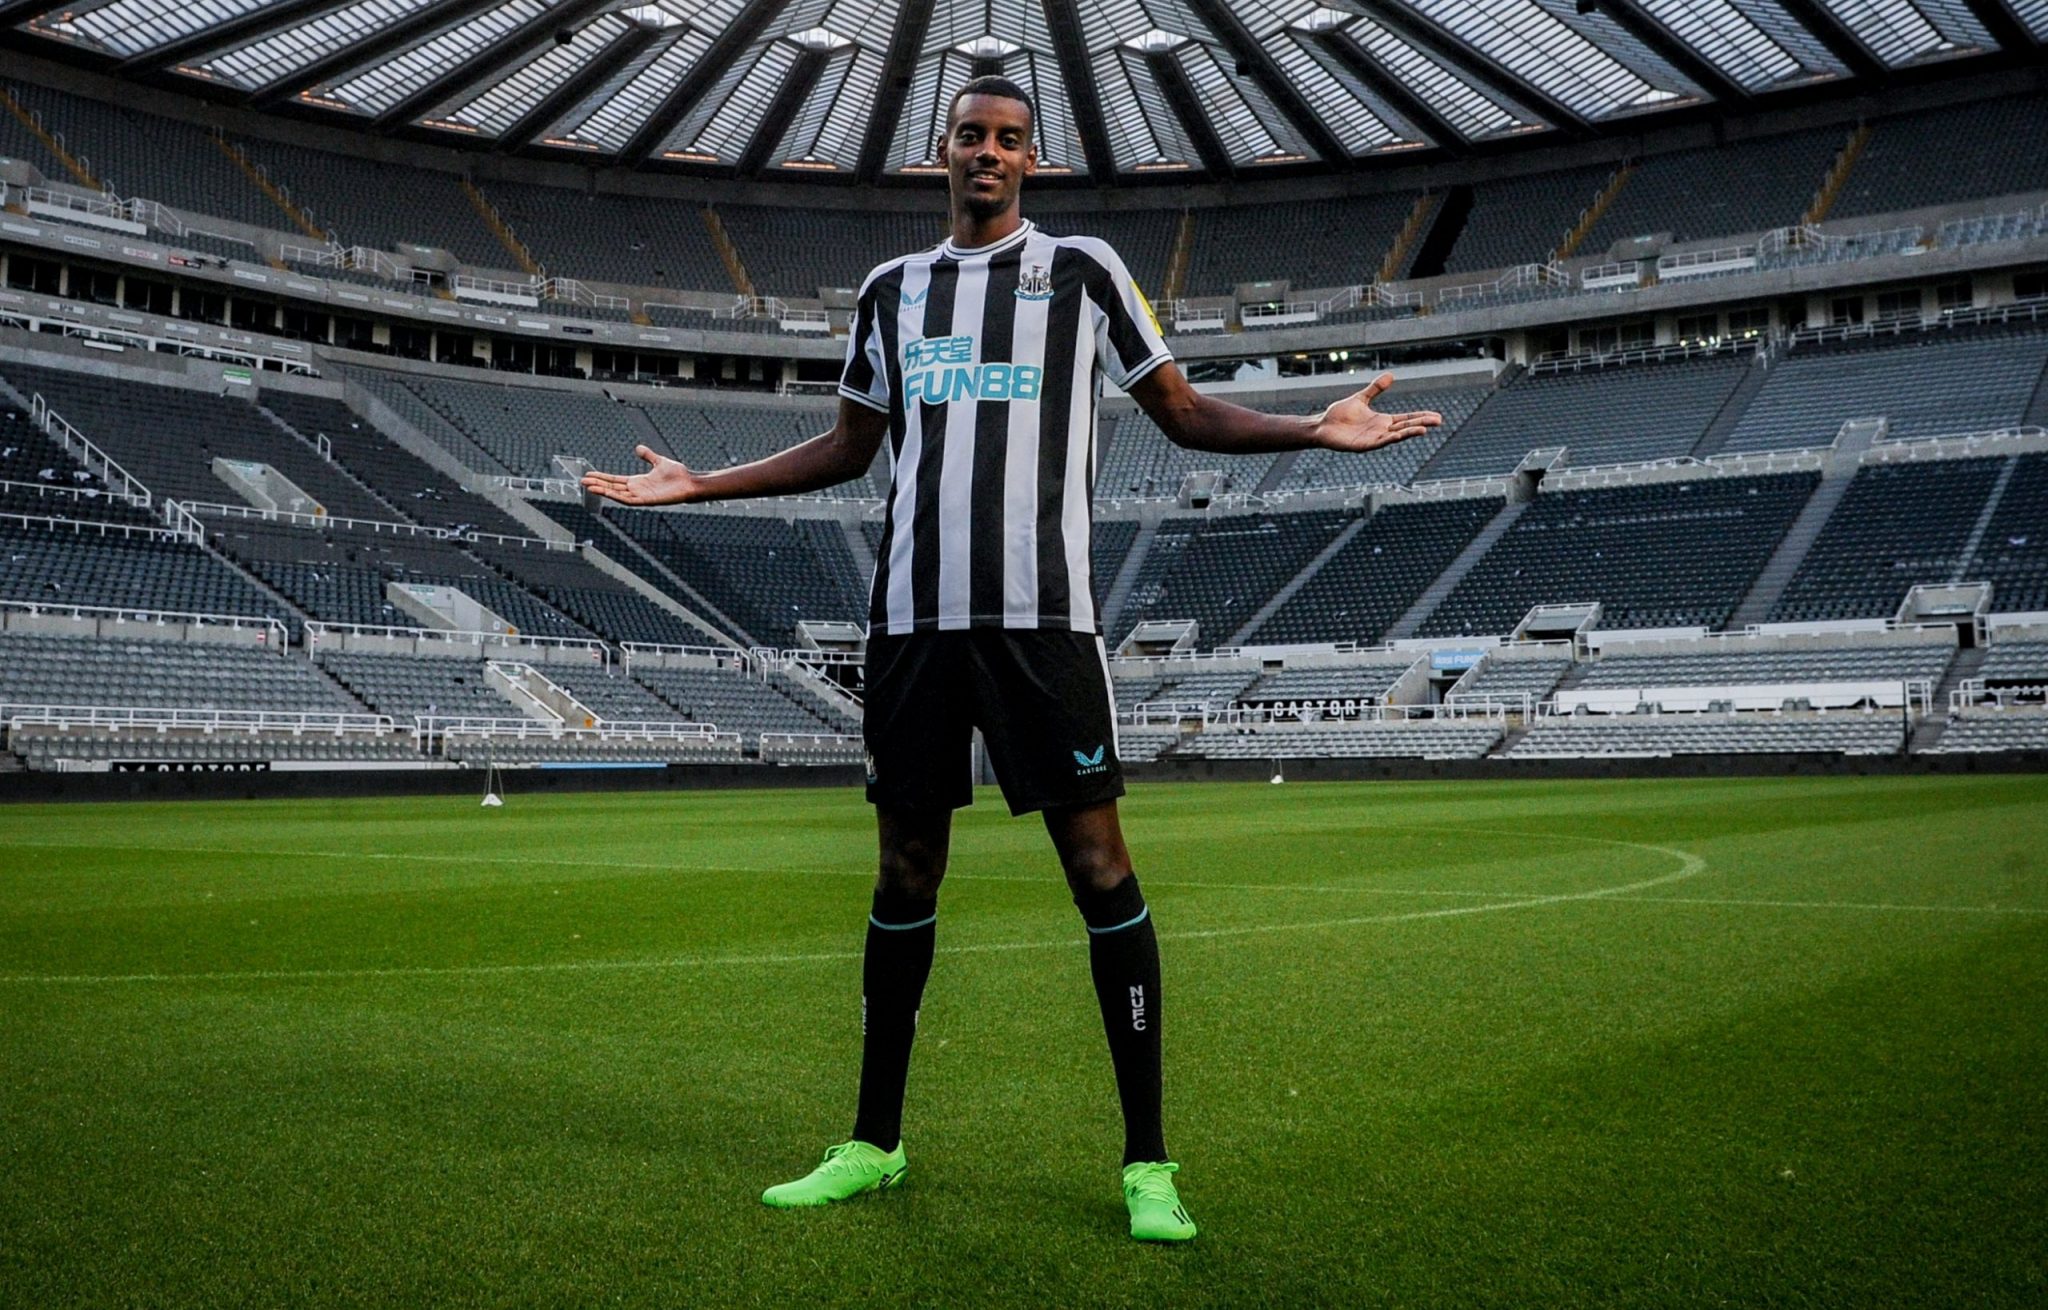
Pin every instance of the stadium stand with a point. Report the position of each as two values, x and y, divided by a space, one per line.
2015 664
1218 570
1328 689
397 475
731 701
610 694
1397 464
643 241
167 437
588 748
1510 680
524 428
1761 667
1450 740
2013 553
44 746
1142 237
795 252
1579 735
596 600
338 576
1195 692
66 563
406 686
1923 383
1311 244
1732 189
1973 143
1600 415
1661 554
1141 462
347 197
1373 579
1521 220
1898 525
1996 730
134 673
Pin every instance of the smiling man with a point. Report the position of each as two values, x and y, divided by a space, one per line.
981 362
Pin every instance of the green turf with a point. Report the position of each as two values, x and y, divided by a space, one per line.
1630 1043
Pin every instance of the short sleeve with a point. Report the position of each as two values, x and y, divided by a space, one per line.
1128 341
865 379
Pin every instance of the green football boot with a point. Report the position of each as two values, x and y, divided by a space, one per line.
1156 1212
848 1169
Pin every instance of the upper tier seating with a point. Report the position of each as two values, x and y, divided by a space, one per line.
648 241
1358 592
1310 243
1736 668
2015 663
1396 464
168 160
416 487
1898 525
1977 146
1852 733
596 600
1666 554
338 576
1614 415
67 566
1520 220
42 670
17 142
1727 190
405 686
794 252
168 437
349 198
46 483
393 391
1143 238
1218 571
1351 685
524 428
1924 383
1208 690
609 693
2013 555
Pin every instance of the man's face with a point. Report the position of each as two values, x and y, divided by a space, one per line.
989 153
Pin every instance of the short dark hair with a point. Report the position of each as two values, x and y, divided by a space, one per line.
993 86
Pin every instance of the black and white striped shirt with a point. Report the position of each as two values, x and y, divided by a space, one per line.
989 363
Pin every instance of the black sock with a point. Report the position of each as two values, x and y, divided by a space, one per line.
901 933
1123 954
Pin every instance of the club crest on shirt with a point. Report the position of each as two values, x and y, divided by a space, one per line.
1034 282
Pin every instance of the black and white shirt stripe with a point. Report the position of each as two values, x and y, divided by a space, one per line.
989 363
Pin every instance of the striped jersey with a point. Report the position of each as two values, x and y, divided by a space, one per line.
989 364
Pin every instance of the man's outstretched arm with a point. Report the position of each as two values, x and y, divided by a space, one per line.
1201 422
826 460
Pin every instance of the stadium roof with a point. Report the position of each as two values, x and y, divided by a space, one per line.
859 88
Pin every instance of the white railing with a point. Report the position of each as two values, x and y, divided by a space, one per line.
1706 263
1288 311
1557 361
164 719
274 633
1522 275
328 256
503 539
80 527
80 447
376 527
775 744
151 213
75 494
726 657
1607 277
434 725
181 521
576 293
318 633
97 206
1204 318
558 488
1972 694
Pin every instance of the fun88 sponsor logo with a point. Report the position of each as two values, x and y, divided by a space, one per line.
937 370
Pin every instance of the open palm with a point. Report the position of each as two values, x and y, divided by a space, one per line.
1353 424
666 482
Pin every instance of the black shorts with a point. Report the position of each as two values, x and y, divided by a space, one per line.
1040 697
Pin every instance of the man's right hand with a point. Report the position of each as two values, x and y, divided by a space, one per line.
666 482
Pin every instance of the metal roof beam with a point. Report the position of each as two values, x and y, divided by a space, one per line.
782 111
20 11
492 62
1253 60
1673 50
1395 92
1841 42
398 36
1070 49
1173 83
229 34
1468 63
913 19
733 42
585 80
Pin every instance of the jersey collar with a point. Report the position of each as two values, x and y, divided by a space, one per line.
1017 238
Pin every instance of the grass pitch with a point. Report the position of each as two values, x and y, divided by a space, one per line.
1631 1043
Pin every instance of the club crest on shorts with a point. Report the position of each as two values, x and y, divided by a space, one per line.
1034 282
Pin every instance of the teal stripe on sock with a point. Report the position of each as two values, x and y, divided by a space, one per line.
906 927
1127 923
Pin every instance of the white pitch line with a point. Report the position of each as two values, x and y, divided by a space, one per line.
1690 865
1877 906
